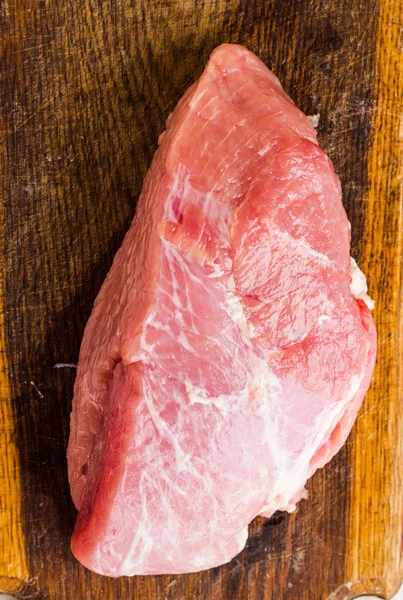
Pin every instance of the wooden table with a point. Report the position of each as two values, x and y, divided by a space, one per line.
85 88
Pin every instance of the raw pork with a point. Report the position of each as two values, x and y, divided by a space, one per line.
231 344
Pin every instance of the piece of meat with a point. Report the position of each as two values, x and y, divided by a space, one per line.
230 347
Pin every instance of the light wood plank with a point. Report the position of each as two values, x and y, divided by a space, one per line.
373 560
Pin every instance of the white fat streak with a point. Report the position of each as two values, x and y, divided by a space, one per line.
145 349
180 456
291 506
143 541
260 376
358 285
234 309
174 193
303 247
266 386
314 119
333 417
323 319
241 538
197 395
215 212
217 271
295 476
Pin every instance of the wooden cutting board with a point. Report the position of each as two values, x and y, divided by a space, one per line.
85 88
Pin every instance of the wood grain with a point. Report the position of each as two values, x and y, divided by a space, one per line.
13 564
85 88
376 494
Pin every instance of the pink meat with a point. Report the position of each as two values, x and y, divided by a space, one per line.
231 344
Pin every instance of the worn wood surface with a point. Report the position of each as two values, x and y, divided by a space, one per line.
85 87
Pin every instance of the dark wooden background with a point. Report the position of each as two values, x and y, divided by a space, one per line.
85 88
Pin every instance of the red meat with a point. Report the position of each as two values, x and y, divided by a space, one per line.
231 344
